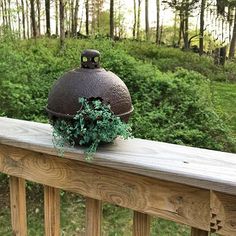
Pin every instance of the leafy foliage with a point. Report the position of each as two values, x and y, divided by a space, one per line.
172 106
92 125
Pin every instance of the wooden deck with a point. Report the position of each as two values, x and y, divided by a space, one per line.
193 186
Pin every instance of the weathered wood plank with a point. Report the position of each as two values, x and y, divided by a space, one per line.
223 214
51 211
198 232
18 206
141 224
177 202
93 217
193 166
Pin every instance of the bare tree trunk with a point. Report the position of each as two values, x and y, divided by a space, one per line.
87 16
9 14
158 22
138 20
39 16
3 14
71 16
76 17
112 19
135 20
81 19
146 20
62 23
18 18
185 29
56 16
23 17
28 19
33 21
233 40
201 37
181 26
47 12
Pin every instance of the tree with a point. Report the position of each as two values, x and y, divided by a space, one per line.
138 20
146 20
47 11
87 16
201 37
233 40
75 21
135 20
56 16
33 21
23 17
18 18
112 19
158 22
39 16
62 22
28 18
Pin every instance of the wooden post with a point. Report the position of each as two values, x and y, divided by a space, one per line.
18 206
93 217
198 232
51 211
141 224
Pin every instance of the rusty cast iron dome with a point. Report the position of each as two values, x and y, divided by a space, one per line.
90 81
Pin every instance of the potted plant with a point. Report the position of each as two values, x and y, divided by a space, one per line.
89 106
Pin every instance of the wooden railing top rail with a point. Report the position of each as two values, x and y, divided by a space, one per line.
192 166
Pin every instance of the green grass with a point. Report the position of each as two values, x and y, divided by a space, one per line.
225 102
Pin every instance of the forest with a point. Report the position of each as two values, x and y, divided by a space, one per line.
177 58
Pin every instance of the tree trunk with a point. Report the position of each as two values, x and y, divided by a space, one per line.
71 16
185 31
27 18
146 20
76 17
201 37
56 16
135 20
3 14
39 16
138 20
181 26
87 16
233 40
158 22
62 23
9 14
33 21
47 12
23 17
112 19
18 18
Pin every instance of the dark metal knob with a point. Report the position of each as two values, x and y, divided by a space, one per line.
90 59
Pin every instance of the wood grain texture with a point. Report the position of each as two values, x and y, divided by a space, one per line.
198 232
51 211
193 166
177 202
93 217
18 206
223 214
141 224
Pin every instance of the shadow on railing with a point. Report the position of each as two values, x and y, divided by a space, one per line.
191 186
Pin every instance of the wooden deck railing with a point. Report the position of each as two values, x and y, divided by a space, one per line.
192 186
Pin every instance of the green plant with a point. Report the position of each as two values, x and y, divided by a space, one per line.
93 124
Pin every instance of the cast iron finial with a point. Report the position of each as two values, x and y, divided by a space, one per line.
90 59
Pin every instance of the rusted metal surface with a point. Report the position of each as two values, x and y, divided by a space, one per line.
89 81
